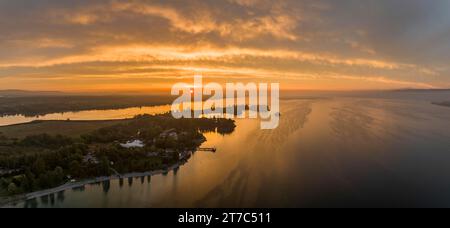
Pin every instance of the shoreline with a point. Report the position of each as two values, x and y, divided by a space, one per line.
71 121
8 201
42 117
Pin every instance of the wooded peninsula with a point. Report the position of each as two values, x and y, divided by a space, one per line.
33 159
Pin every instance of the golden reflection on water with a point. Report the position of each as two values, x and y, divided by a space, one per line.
326 152
112 114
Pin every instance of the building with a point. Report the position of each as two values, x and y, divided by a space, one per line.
90 159
171 133
133 144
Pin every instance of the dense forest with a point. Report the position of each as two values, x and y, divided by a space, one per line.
44 161
41 105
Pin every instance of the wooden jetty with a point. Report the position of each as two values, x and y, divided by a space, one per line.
213 149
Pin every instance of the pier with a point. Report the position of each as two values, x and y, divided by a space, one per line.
213 149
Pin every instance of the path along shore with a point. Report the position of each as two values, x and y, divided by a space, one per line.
7 202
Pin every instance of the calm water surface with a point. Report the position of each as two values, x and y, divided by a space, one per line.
112 114
341 152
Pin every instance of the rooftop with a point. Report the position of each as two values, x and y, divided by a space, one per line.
133 144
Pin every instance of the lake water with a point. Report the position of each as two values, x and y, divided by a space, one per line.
327 152
111 114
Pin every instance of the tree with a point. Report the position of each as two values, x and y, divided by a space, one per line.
12 189
58 175
26 185
43 181
4 182
39 166
105 166
75 169
31 179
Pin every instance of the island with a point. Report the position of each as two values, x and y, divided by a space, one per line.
46 154
446 104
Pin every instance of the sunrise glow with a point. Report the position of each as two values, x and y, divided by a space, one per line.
149 45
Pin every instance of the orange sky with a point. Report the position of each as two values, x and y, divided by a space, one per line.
145 46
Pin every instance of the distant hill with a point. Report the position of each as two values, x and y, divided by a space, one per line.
422 90
25 93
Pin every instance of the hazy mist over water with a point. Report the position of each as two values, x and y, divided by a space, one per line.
327 152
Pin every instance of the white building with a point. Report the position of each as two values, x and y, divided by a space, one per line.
133 144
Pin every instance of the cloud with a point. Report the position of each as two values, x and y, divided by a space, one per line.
180 53
202 20
402 43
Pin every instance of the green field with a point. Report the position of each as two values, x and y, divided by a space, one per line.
67 128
